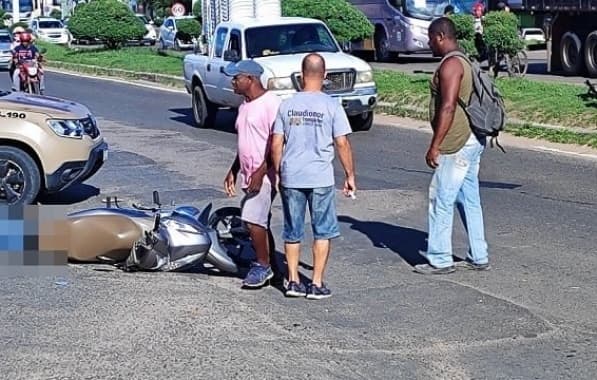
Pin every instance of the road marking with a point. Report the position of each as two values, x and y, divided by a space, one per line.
555 150
121 81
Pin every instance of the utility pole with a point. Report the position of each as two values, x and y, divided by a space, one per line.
16 16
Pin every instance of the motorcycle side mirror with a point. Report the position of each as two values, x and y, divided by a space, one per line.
156 198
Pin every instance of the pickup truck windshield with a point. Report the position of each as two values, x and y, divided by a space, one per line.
288 39
430 9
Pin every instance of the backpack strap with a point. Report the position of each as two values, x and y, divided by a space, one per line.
458 53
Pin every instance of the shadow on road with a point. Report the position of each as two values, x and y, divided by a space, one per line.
224 119
406 242
75 194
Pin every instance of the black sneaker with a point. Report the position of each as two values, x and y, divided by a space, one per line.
472 266
430 269
294 289
315 292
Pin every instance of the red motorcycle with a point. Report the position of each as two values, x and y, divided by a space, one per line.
30 76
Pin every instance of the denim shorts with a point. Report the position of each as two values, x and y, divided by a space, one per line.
322 209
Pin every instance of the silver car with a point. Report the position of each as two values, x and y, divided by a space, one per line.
169 34
5 45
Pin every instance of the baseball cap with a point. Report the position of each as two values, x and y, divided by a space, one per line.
247 67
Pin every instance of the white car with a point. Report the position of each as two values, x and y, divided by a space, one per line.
5 52
169 34
151 37
51 30
533 35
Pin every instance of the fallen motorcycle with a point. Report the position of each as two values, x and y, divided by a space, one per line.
140 238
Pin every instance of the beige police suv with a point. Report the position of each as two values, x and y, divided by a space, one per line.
47 144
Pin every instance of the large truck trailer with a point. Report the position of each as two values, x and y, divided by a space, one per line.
570 28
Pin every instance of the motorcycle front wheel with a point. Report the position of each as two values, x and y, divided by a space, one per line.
233 234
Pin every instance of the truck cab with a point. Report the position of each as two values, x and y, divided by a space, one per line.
279 47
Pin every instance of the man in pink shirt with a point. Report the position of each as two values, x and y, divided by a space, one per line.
254 125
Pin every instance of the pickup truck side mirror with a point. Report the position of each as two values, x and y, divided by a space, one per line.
231 55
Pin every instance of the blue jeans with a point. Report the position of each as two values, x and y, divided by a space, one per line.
322 207
456 180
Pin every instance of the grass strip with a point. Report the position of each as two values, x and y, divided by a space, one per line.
531 101
135 58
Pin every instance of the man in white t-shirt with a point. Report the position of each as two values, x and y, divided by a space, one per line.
254 125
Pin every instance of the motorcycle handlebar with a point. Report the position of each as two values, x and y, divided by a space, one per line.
139 207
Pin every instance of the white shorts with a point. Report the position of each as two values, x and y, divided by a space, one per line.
256 207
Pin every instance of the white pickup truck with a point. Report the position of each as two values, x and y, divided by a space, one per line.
279 46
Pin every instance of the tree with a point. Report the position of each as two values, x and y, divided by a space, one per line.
500 32
188 29
465 33
110 21
345 21
57 14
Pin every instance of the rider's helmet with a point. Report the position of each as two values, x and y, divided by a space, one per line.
26 37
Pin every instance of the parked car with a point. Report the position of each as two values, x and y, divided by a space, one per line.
533 36
169 34
5 53
151 37
51 30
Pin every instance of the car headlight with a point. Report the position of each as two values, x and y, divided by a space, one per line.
365 76
67 128
280 84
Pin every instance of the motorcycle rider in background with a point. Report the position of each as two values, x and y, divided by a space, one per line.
25 51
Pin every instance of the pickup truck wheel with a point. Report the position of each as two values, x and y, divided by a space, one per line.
362 122
204 111
19 177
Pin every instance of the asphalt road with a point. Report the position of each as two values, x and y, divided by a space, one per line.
531 317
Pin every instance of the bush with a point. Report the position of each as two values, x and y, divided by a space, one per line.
500 31
465 33
188 29
345 21
56 14
110 21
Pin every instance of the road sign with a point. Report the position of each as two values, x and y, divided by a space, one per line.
178 10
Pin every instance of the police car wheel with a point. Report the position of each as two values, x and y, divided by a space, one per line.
20 179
